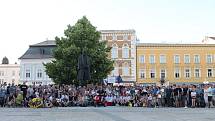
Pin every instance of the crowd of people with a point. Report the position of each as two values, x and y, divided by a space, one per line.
107 95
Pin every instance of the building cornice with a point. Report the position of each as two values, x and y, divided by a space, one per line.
173 45
129 31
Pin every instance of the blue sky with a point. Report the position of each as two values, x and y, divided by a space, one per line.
25 22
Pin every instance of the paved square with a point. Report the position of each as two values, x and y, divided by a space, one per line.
107 114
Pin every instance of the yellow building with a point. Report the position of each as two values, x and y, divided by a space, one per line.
175 63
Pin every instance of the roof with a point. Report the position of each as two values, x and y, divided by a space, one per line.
45 43
173 45
42 50
212 38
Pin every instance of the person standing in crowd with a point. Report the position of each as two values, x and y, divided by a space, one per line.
8 90
189 98
177 96
24 89
213 93
206 95
210 103
168 93
199 93
3 96
193 96
184 95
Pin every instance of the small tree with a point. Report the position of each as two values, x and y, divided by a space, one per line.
82 36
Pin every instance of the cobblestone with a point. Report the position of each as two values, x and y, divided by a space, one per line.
107 114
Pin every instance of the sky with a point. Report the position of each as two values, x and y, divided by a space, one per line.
26 22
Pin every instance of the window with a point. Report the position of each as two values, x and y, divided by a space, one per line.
152 73
162 59
115 72
125 37
197 73
209 58
187 73
125 70
42 51
196 59
1 73
151 59
39 73
125 51
27 74
103 37
1 81
114 37
186 59
177 73
177 59
163 73
13 73
142 59
210 73
114 51
142 74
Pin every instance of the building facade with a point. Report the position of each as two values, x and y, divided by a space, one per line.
32 70
175 63
123 43
123 52
9 73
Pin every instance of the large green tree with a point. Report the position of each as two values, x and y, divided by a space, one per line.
82 36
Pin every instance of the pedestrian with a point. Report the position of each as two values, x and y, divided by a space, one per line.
193 96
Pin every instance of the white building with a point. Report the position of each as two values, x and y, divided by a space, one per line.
9 73
32 70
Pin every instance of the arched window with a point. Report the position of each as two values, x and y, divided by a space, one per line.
125 69
125 51
115 72
114 51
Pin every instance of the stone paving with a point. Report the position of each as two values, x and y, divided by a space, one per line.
107 114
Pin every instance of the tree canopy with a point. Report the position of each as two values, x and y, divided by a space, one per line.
83 36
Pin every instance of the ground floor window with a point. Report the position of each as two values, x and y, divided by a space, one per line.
163 73
210 73
27 74
39 73
177 73
197 73
125 71
187 73
152 73
142 74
